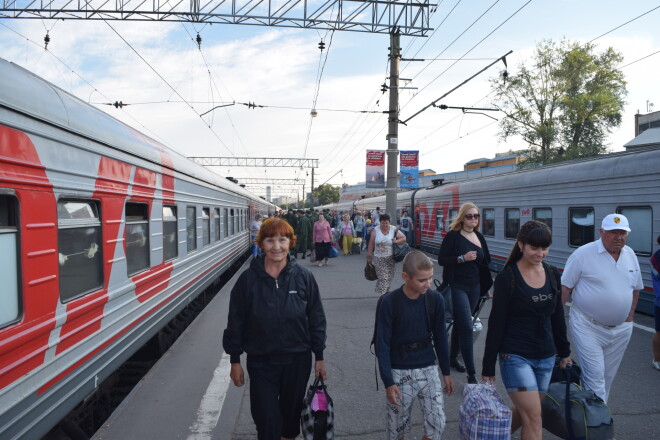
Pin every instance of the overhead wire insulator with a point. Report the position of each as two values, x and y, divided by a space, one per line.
321 46
46 40
383 88
199 41
118 104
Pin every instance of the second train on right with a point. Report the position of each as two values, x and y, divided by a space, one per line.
571 197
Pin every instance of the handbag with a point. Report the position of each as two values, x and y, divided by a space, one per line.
370 272
483 415
399 250
332 252
318 414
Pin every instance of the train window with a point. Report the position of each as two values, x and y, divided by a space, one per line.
137 237
543 215
488 222
511 222
79 247
581 227
191 228
641 222
438 220
206 226
9 294
231 222
226 222
216 223
170 231
453 213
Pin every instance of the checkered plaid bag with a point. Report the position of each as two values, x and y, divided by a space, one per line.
318 415
483 415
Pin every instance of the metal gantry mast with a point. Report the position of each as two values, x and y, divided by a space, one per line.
408 17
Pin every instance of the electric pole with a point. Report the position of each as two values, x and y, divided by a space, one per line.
393 127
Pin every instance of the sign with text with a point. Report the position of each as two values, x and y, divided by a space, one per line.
409 169
375 169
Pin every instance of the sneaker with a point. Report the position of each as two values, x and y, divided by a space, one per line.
320 263
656 365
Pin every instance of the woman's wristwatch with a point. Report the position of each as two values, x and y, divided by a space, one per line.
461 259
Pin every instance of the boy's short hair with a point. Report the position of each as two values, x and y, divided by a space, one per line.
416 261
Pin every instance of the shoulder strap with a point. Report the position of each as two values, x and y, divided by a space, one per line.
429 300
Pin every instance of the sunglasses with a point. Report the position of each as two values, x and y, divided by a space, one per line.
471 216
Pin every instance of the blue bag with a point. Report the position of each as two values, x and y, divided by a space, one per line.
332 253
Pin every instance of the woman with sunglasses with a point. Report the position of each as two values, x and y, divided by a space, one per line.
464 256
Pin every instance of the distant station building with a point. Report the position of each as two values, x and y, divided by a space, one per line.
501 163
647 131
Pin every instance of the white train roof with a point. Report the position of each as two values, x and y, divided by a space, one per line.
29 94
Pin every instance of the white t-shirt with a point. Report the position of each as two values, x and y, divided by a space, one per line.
383 243
254 229
602 287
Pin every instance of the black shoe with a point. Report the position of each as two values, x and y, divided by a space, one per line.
457 366
472 378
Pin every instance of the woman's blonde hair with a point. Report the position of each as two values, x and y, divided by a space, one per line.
457 223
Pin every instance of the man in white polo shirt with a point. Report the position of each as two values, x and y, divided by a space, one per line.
604 280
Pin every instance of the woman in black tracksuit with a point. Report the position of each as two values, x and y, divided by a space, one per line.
276 317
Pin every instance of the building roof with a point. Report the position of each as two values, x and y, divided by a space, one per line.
648 137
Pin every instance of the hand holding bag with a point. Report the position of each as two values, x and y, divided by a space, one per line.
317 416
399 250
370 272
483 415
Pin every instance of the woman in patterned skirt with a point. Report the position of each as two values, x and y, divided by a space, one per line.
379 252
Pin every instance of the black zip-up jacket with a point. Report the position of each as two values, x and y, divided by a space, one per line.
269 316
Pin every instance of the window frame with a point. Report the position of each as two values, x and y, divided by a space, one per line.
651 238
217 224
534 217
226 223
13 214
483 222
190 249
570 222
206 226
143 221
63 224
176 233
506 223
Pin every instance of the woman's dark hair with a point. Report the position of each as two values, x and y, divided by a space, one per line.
533 233
384 217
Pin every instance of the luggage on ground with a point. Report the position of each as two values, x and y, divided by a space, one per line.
483 415
317 416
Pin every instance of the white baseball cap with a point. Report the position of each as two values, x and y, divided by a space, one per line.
615 221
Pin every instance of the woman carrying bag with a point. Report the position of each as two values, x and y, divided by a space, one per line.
322 236
379 251
464 256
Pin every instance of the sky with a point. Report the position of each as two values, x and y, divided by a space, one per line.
168 81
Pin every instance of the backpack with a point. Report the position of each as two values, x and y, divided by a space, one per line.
429 302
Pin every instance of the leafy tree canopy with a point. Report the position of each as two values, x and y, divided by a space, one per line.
326 194
565 103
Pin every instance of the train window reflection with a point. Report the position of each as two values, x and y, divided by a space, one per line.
170 230
232 222
488 222
79 247
511 222
581 227
226 220
206 226
191 228
137 238
641 222
216 224
453 213
439 221
543 215
9 294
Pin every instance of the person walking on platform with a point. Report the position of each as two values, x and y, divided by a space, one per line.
404 224
603 279
302 234
254 229
655 263
277 318
410 336
346 232
527 328
464 256
380 252
322 240
310 233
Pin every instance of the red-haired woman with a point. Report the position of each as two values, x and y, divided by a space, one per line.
276 317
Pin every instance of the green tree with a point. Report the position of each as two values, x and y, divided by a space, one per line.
563 105
326 194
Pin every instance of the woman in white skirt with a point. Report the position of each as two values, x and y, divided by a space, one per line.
379 252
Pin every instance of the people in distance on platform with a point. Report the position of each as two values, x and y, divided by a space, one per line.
603 279
406 318
303 232
375 216
347 232
380 252
359 226
527 328
464 256
655 262
254 229
322 240
368 227
404 224
277 318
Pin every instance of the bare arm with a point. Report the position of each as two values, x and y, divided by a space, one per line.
370 247
566 293
400 238
631 315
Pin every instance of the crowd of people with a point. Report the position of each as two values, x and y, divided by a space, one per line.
276 316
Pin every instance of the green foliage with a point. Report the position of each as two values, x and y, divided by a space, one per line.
325 194
565 104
